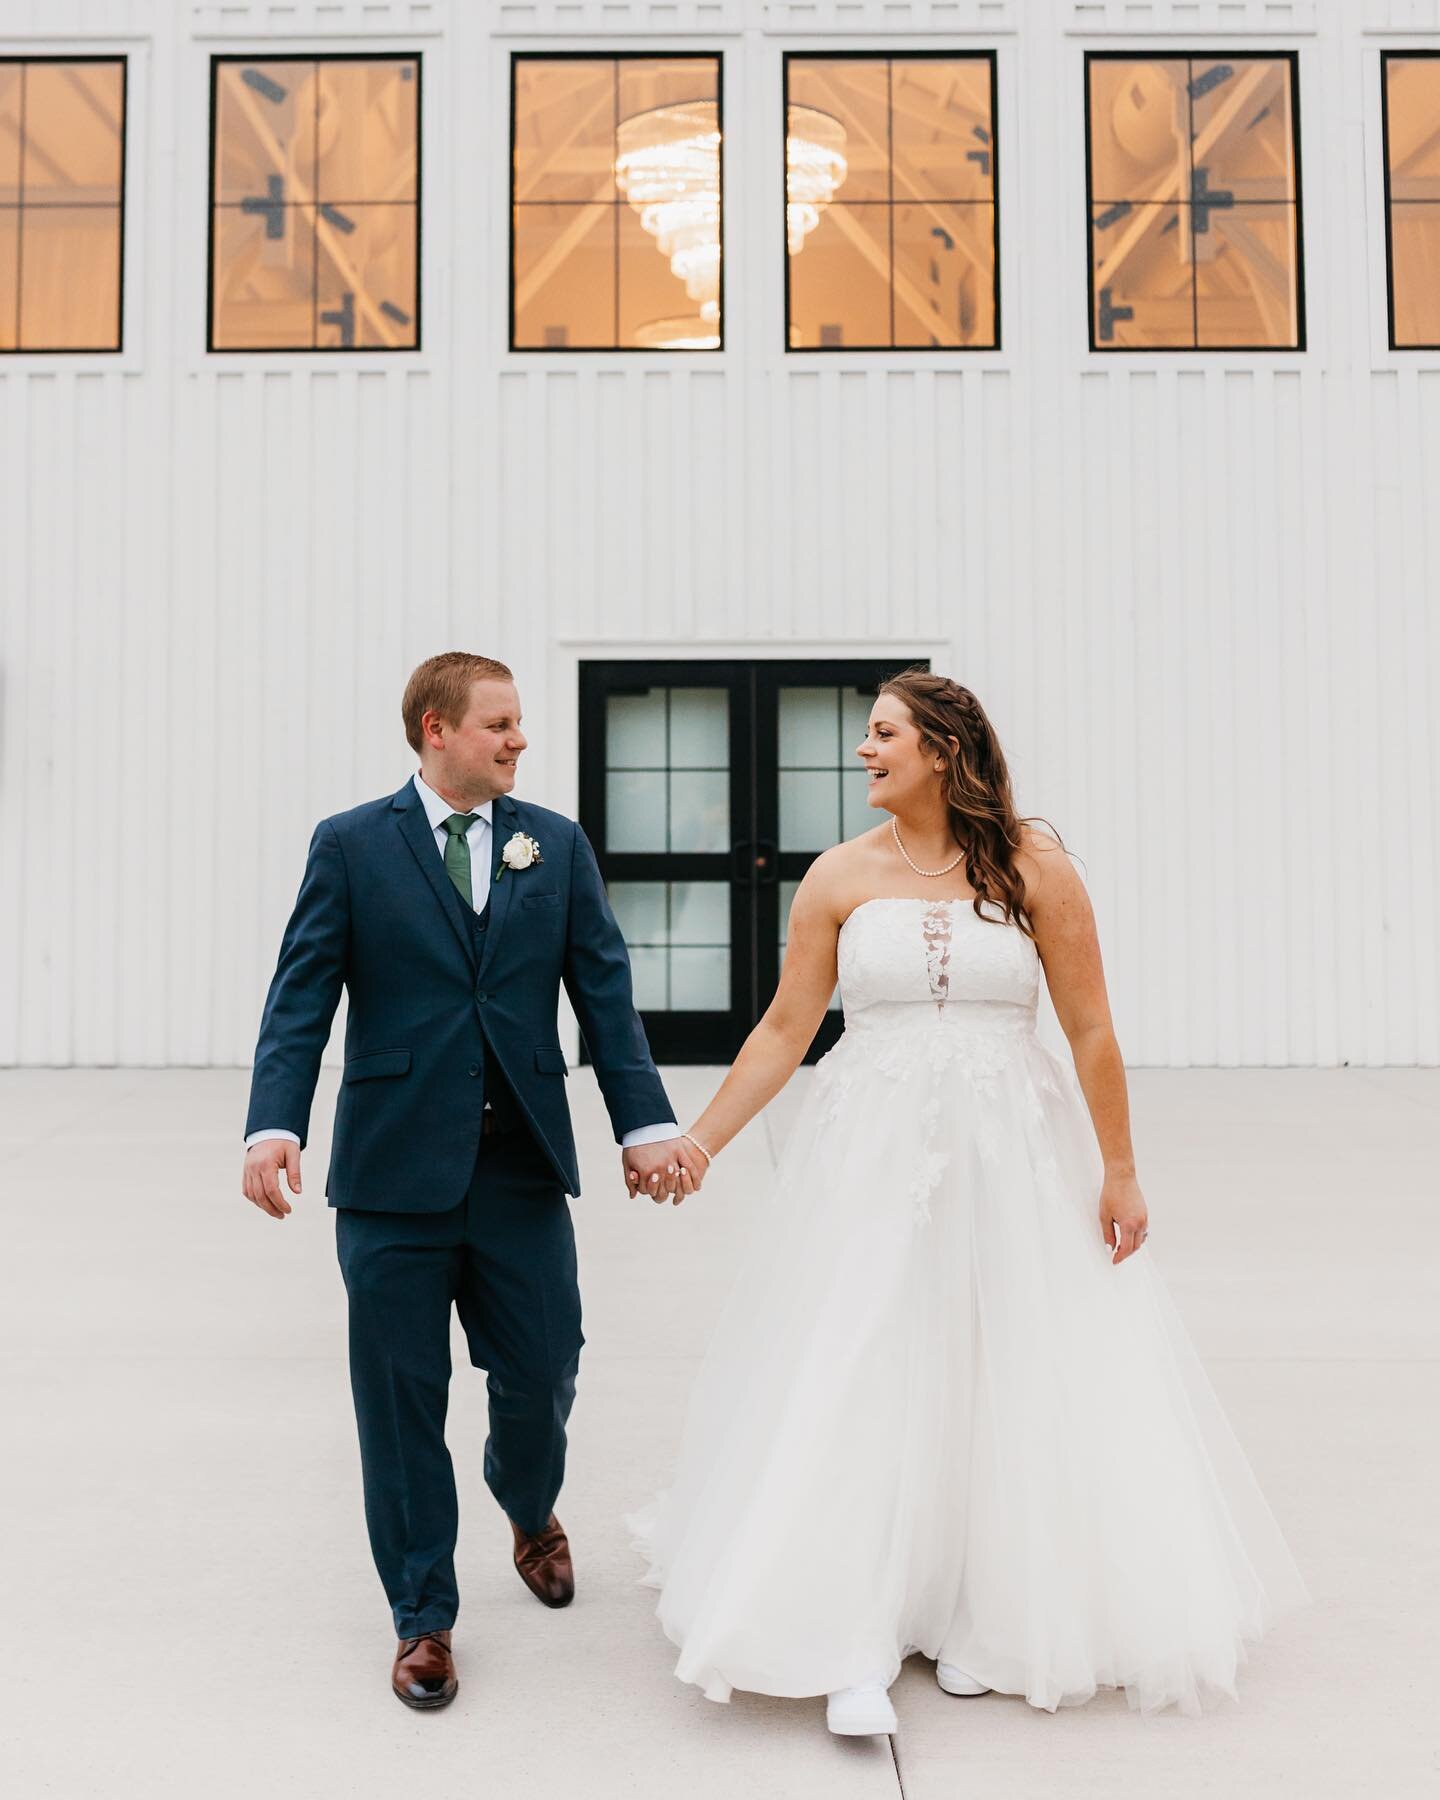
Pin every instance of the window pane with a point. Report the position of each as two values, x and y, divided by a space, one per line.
700 912
365 277
70 278
700 980
852 95
639 908
942 141
1139 130
1144 294
73 133
840 282
809 728
944 276
699 812
264 279
1415 261
699 728
9 275
1412 90
264 131
1245 278
564 130
1243 137
565 277
12 77
367 131
635 730
809 810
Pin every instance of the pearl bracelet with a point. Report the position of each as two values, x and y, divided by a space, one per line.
699 1146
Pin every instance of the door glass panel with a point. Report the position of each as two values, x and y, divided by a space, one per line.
700 912
635 810
809 723
635 730
699 980
700 811
699 728
639 908
678 935
647 970
809 809
854 723
856 813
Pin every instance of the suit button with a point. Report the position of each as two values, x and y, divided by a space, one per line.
482 996
474 1069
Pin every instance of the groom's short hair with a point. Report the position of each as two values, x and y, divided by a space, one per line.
442 684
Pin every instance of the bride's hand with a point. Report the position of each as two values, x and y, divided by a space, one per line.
1123 1215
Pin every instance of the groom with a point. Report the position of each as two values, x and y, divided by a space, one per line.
451 914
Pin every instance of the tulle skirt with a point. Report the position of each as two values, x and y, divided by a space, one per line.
935 1417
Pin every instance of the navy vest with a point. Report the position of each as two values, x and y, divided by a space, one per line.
498 1096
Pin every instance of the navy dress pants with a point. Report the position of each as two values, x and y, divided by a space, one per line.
505 1257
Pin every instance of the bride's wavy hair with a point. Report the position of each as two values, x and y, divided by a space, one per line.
976 785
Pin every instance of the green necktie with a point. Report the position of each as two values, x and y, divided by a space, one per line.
457 853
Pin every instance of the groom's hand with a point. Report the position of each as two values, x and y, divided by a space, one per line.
664 1171
260 1182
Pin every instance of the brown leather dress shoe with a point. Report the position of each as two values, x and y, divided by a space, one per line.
424 1671
544 1562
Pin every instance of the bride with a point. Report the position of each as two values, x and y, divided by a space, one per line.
949 1406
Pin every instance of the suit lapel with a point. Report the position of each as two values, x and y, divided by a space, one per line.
504 822
415 829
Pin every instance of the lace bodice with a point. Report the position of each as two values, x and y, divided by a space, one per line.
909 952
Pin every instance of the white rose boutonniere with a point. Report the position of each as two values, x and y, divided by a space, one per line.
519 853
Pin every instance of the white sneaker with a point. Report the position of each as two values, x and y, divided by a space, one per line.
956 1681
861 1711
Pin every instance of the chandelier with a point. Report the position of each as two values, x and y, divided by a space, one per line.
667 165
815 167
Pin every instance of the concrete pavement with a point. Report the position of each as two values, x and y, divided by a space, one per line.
189 1605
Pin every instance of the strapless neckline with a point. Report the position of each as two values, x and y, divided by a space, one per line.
911 900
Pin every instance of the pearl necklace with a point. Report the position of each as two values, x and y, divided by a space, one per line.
895 829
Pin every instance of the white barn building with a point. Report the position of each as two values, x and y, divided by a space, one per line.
1097 360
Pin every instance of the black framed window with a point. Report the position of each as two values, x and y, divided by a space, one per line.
617 215
892 232
62 203
315 203
1410 110
1192 170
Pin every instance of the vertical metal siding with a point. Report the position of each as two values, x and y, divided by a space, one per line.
1198 596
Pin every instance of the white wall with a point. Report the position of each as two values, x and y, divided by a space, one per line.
1199 594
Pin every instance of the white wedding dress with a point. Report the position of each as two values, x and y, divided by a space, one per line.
934 1416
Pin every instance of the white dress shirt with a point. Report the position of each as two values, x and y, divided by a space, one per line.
477 838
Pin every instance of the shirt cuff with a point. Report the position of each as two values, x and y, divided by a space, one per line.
256 1136
649 1134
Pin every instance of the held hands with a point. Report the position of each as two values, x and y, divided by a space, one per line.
260 1180
1123 1215
668 1170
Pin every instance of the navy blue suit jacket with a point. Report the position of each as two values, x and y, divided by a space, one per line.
378 916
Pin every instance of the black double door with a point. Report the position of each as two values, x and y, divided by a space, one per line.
708 789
